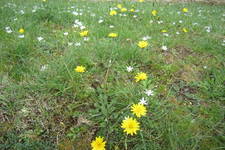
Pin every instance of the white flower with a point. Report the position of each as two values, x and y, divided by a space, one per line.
143 101
149 92
165 34
22 12
70 43
180 21
65 33
8 29
82 27
135 16
177 33
86 38
111 26
75 13
77 44
205 67
145 38
21 36
43 67
93 15
164 48
40 38
151 21
129 69
100 21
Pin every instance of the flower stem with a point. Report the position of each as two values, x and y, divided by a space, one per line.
142 138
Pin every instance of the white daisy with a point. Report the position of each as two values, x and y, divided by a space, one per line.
149 92
143 101
21 36
40 38
77 44
65 33
145 38
164 48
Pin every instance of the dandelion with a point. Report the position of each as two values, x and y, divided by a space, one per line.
123 9
132 10
154 13
98 143
84 33
185 30
130 125
185 10
112 35
140 76
142 44
141 1
119 6
21 30
138 110
80 69
163 31
112 13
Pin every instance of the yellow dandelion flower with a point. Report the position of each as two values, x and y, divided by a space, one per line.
84 33
98 143
119 6
141 1
80 69
139 110
142 44
185 30
185 10
132 10
163 31
112 35
21 30
130 125
154 13
112 13
140 76
123 9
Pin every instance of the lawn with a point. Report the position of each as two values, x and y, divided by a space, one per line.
89 75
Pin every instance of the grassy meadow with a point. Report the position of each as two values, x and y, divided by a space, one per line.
95 75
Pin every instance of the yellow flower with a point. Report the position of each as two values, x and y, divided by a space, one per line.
141 76
138 109
84 33
130 125
143 44
131 10
112 13
123 9
112 35
98 143
119 6
141 1
80 69
185 10
185 30
21 30
163 31
154 13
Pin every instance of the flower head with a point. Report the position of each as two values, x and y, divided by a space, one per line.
164 31
130 125
98 143
21 30
112 35
123 9
185 30
132 10
154 13
141 76
80 69
143 101
112 13
143 44
119 6
185 10
139 110
141 1
84 33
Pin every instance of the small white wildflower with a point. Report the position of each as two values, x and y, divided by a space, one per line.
22 12
86 38
93 15
82 27
100 21
164 48
145 38
65 33
21 36
135 16
143 101
165 34
180 21
40 38
129 69
75 13
151 21
43 67
111 26
177 33
70 43
77 44
149 92
205 67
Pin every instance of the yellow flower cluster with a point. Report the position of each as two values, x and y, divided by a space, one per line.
112 35
84 33
142 44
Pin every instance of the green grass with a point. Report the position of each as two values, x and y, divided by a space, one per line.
45 104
